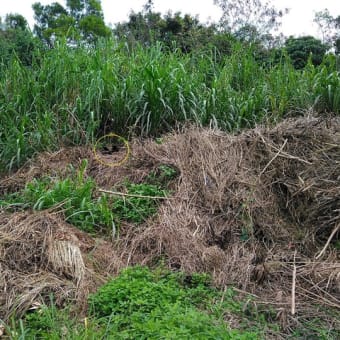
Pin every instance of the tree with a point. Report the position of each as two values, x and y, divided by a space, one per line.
16 21
80 20
260 14
143 28
52 21
329 27
148 6
302 48
174 30
16 40
326 25
337 35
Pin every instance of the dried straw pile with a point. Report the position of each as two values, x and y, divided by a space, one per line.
40 254
259 210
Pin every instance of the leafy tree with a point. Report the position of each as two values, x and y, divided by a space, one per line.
52 21
16 40
178 31
186 31
337 35
16 21
144 28
302 48
89 17
76 8
80 20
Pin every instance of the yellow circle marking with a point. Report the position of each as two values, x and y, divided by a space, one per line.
119 163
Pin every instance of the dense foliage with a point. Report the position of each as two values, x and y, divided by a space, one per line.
302 48
146 304
162 305
72 95
17 41
80 20
174 31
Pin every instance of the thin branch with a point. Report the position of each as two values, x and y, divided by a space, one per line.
284 154
276 155
293 286
335 230
318 298
135 195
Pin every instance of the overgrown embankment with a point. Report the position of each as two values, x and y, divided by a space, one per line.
258 211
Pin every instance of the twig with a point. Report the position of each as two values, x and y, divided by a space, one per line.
323 291
245 292
133 195
285 154
337 227
276 155
318 298
293 285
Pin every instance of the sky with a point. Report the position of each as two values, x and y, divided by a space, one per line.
298 22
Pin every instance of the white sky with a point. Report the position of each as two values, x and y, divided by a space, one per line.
298 22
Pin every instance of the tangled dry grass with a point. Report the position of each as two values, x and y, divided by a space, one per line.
259 210
40 254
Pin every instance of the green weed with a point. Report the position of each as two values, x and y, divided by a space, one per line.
139 304
75 196
140 205
155 305
159 304
49 322
162 175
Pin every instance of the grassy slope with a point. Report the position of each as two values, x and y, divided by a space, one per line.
69 96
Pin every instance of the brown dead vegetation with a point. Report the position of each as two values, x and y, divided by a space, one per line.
259 210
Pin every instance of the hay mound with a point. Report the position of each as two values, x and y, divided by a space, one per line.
258 210
40 254
250 208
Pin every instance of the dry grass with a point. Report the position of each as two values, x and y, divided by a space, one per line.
247 208
40 254
247 204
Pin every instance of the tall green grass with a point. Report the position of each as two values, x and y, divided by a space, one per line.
72 95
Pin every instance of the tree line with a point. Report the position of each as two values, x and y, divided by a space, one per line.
251 22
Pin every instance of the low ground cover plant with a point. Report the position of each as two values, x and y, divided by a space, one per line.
82 207
73 195
158 304
140 205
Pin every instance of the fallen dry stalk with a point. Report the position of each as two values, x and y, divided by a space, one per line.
293 286
272 160
117 193
335 230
